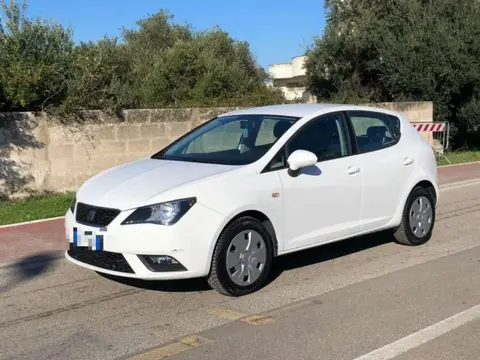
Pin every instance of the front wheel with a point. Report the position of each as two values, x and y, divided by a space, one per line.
242 258
418 218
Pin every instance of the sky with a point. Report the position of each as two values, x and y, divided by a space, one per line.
276 30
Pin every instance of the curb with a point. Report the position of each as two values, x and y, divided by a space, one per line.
459 164
31 222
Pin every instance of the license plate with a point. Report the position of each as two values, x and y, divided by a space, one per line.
86 239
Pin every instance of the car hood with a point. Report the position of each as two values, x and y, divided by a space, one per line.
138 183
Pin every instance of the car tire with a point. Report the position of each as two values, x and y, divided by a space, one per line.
220 277
410 231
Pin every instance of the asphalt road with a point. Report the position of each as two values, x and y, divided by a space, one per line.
360 299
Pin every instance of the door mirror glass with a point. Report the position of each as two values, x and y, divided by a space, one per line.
300 159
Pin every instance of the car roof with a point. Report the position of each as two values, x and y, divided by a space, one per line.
299 110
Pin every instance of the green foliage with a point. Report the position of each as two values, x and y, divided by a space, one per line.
100 77
34 59
177 66
159 64
401 50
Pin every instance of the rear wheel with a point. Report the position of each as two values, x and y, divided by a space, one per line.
418 218
242 258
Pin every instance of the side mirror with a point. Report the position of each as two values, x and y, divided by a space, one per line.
300 159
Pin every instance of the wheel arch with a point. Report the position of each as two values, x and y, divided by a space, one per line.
422 182
426 184
257 214
261 217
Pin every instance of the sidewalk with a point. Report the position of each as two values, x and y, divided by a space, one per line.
31 239
49 236
455 173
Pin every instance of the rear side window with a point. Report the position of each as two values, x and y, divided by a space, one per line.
374 131
394 125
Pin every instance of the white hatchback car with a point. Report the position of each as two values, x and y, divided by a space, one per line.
226 198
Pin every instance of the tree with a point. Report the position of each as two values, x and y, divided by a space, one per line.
159 64
100 78
401 50
35 59
174 65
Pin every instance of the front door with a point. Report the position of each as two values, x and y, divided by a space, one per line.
323 203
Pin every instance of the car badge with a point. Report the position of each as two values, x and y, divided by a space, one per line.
91 215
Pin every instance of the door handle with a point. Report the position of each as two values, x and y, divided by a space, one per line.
407 161
352 170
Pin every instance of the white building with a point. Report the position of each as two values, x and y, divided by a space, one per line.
291 78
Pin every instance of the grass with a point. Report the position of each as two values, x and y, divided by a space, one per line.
459 157
34 208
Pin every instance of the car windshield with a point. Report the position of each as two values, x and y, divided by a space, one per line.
229 140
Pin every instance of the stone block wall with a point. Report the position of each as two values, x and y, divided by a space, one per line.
38 153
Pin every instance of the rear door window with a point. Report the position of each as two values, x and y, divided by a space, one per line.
374 131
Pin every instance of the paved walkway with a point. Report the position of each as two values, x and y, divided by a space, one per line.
455 173
31 239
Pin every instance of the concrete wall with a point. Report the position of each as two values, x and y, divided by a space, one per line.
413 111
42 154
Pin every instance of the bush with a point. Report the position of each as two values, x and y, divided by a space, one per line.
409 50
35 60
160 64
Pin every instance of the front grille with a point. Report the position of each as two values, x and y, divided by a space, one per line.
102 259
95 216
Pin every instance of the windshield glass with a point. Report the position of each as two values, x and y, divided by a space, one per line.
229 140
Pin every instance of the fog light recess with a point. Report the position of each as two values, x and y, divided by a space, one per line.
161 263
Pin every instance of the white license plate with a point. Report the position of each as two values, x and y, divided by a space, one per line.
90 239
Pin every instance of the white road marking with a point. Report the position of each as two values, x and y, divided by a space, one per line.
32 222
460 164
420 337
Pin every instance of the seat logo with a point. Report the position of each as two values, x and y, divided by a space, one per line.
91 215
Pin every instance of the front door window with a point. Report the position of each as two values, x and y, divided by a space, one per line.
325 137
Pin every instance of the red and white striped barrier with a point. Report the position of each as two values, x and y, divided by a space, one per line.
430 127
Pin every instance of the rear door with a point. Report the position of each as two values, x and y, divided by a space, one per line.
386 165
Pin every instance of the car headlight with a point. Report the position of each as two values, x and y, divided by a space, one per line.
167 213
73 203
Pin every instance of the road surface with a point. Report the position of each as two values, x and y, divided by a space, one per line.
361 299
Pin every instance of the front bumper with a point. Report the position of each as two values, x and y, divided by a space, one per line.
125 248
